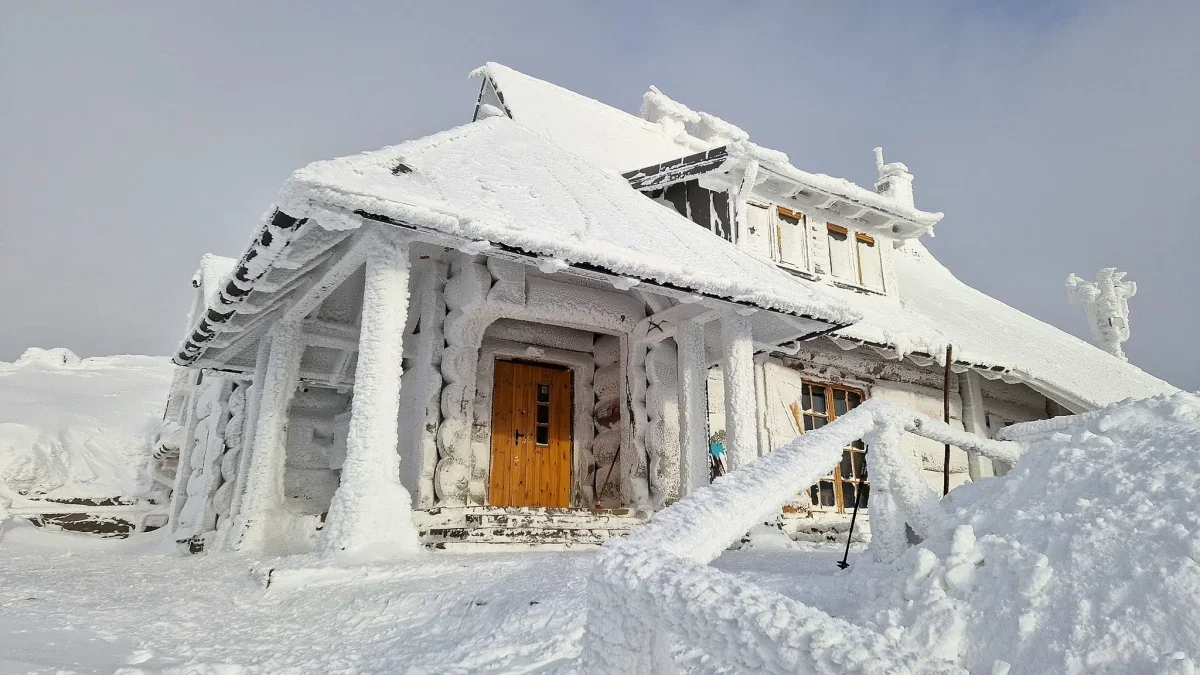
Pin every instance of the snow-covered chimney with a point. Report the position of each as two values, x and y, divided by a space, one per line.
894 180
1106 302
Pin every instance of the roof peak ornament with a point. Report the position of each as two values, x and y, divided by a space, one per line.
1106 302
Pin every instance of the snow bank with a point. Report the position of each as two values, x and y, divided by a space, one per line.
1083 559
72 427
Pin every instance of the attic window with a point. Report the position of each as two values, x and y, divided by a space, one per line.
791 242
854 257
400 168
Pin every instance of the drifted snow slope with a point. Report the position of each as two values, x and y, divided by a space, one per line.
72 427
1082 560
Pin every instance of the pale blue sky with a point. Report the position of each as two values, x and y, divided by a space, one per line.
1057 137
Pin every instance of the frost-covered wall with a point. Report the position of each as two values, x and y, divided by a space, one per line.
421 383
915 387
318 423
606 446
209 459
465 296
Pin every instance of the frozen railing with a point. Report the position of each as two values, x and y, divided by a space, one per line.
656 606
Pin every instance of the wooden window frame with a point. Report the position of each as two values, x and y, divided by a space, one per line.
802 232
854 238
841 505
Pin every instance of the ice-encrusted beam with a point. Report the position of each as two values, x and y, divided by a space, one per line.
693 413
737 366
371 512
262 502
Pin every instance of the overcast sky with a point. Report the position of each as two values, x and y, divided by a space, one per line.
136 137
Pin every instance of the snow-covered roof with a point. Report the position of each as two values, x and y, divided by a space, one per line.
936 309
601 134
495 180
212 274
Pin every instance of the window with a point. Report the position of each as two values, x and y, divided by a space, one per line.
870 265
790 237
542 431
854 257
758 230
841 254
819 405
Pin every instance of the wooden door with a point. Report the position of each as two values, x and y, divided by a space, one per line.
531 435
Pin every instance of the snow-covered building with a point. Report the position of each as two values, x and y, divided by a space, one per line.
528 329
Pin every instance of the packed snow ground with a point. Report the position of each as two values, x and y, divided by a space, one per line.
74 604
72 427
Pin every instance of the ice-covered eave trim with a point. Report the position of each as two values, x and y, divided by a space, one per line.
280 229
277 231
833 199
1069 400
836 198
597 272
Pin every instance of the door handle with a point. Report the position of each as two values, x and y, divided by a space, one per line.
517 436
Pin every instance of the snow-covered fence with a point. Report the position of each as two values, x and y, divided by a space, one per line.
655 606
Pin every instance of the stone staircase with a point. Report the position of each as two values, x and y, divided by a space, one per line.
520 528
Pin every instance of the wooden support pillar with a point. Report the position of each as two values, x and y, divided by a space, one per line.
693 408
974 420
371 512
253 399
263 497
737 366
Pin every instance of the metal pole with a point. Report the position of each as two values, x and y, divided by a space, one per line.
862 474
946 419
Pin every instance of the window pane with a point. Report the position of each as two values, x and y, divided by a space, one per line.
827 498
818 422
808 423
543 393
758 230
848 494
841 256
847 465
791 240
854 398
543 436
805 399
839 402
870 264
866 496
818 400
543 414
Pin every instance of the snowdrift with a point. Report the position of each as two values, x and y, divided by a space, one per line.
74 428
1083 559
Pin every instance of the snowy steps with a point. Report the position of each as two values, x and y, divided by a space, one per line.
519 527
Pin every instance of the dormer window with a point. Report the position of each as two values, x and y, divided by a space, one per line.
791 247
854 258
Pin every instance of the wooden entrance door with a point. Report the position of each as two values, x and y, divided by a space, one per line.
531 435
